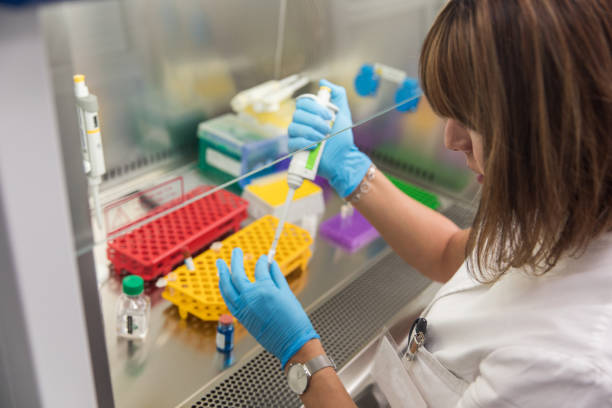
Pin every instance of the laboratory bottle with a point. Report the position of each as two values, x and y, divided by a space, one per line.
225 333
133 309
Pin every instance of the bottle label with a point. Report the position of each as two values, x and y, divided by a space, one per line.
220 341
133 325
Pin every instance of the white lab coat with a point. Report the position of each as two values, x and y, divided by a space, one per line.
523 341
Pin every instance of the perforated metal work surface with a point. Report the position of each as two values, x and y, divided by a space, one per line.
346 323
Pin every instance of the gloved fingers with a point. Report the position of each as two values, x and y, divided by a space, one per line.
338 94
262 270
297 143
226 287
278 278
307 132
310 119
336 90
311 106
239 278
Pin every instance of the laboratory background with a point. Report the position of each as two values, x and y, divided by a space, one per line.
141 140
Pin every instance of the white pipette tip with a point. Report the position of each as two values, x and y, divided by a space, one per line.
189 264
270 257
281 223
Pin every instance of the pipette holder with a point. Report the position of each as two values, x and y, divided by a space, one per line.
155 248
197 292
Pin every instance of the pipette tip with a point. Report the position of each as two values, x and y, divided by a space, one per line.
270 257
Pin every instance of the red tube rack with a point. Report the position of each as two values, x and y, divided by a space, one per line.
155 248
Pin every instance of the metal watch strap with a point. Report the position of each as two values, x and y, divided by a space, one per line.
299 374
318 363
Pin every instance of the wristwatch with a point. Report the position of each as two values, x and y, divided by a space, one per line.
298 375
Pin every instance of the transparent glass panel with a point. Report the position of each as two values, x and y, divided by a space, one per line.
165 73
140 208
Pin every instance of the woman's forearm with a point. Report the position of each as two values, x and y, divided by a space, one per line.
325 388
424 238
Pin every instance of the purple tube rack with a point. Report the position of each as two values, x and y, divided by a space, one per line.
351 233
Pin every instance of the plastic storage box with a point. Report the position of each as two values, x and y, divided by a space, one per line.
155 248
197 292
268 194
231 146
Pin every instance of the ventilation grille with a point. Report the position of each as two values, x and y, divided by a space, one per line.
148 160
387 162
347 322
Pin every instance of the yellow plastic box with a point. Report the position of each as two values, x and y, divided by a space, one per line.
197 292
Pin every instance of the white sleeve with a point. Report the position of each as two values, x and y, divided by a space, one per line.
524 377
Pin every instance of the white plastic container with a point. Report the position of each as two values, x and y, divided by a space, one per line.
133 309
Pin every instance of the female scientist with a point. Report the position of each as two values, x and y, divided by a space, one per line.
525 316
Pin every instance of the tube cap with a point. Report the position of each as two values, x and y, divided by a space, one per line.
226 319
133 285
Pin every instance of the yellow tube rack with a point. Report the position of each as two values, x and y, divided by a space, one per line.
197 292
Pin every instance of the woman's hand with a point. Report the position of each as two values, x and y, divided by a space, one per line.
266 307
342 164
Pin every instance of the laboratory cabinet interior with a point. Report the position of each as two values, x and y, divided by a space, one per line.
156 140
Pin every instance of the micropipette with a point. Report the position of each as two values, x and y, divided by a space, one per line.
303 165
91 141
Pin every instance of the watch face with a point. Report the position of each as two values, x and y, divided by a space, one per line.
298 378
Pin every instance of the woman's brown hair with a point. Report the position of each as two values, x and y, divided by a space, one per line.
534 78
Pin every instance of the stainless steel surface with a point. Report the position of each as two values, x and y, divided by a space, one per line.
179 357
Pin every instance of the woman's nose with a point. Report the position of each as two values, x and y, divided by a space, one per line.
456 137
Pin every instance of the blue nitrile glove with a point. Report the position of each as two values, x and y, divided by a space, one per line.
342 164
267 307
